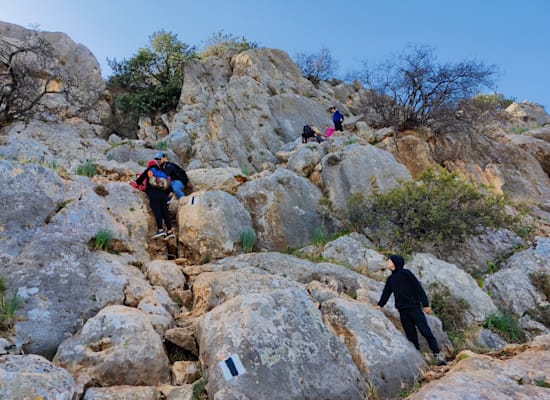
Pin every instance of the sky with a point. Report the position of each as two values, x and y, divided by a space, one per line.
514 36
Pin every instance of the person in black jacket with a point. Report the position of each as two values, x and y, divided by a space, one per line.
409 296
157 200
178 177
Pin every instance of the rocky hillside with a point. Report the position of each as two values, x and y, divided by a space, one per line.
202 318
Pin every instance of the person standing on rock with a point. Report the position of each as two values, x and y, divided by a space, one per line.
178 176
157 185
409 296
337 118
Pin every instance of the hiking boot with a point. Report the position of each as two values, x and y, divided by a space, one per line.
169 235
160 233
440 359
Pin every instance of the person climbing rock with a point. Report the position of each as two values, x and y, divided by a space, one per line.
409 296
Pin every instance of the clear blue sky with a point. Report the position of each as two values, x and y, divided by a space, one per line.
513 35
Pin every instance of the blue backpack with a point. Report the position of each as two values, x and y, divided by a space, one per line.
158 179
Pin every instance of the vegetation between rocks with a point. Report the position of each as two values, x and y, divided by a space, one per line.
437 207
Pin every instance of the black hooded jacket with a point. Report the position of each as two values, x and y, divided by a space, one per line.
407 291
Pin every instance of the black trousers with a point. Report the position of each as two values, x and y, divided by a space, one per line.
412 318
157 201
338 126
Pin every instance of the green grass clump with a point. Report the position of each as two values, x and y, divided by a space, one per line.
248 238
102 240
9 303
86 168
506 325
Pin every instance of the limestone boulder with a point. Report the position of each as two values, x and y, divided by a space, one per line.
116 347
355 251
304 160
382 354
352 169
210 224
79 86
512 286
256 102
521 376
123 393
528 113
225 179
284 209
435 274
31 187
33 377
213 288
282 343
474 254
61 290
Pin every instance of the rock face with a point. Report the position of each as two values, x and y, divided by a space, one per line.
34 377
116 347
256 102
81 89
523 376
312 364
284 209
342 177
211 224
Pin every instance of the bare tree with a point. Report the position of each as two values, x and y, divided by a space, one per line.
28 72
413 90
317 67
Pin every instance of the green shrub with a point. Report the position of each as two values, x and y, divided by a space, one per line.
449 309
248 238
102 240
86 168
161 146
199 390
320 236
8 306
506 325
437 207
225 45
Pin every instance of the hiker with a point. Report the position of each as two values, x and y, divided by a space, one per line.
337 118
157 184
408 296
311 131
178 176
328 131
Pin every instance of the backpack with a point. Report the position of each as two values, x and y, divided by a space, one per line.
158 179
179 174
307 133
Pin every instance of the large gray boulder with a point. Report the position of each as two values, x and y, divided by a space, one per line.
34 194
382 354
255 103
284 209
431 271
281 340
116 347
351 170
79 86
512 286
210 224
31 376
475 376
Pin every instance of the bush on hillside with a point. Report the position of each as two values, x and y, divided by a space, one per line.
149 83
316 67
225 45
416 91
437 207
